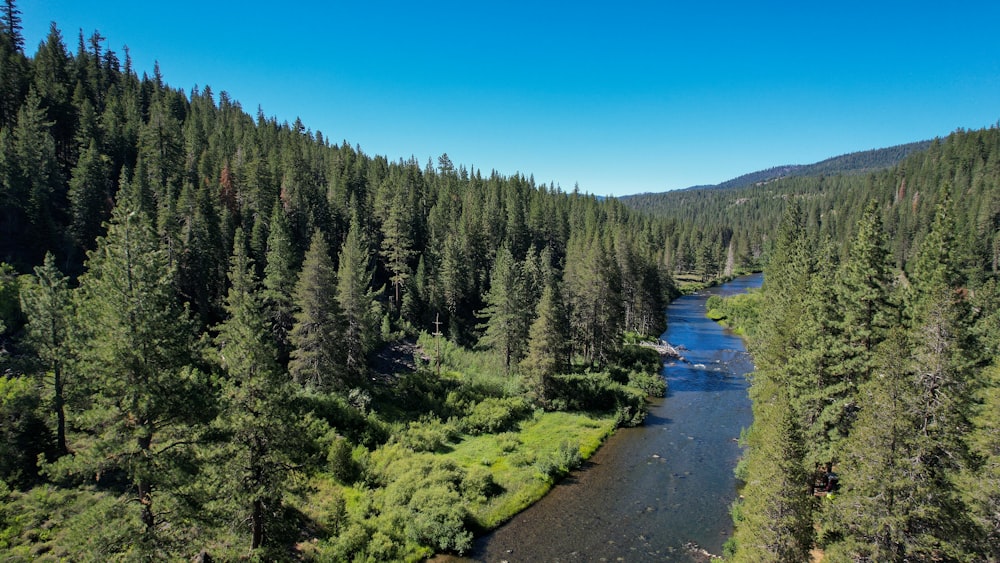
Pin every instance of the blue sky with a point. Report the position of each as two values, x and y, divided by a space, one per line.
619 98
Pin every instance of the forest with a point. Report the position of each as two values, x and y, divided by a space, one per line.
226 337
875 434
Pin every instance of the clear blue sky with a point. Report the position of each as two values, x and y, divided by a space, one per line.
620 98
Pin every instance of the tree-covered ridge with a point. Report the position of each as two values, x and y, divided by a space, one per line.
191 299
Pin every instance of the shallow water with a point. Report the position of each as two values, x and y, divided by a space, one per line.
652 492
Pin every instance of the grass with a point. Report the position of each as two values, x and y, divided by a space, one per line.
513 458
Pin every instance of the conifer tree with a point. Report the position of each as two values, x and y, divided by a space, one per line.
256 411
506 327
548 345
318 357
280 275
46 302
357 300
136 355
36 177
981 481
898 500
774 520
89 192
10 25
397 242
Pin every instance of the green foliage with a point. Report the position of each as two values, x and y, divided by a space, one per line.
10 306
739 312
318 359
599 392
23 435
492 415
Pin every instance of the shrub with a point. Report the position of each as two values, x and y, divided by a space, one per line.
425 435
340 461
652 384
599 392
560 462
492 415
640 358
508 442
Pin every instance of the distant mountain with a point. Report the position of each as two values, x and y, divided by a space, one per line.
860 162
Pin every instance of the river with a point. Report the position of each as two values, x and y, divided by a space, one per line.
654 492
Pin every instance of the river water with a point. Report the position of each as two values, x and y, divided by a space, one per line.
655 492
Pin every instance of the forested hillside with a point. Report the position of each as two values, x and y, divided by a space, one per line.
198 306
875 338
716 228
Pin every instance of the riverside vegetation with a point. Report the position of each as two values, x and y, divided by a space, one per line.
192 300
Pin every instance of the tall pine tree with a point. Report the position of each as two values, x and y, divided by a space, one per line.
257 414
318 357
136 354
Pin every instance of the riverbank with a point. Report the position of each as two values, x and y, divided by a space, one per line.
651 491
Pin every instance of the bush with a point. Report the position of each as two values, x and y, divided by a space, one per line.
340 461
652 384
479 484
560 462
508 442
437 519
426 435
492 415
640 358
599 392
23 434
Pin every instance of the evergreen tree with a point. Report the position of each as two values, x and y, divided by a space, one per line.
506 328
136 355
774 519
46 302
36 178
898 501
358 302
280 276
548 345
867 310
592 284
89 193
256 412
981 482
10 25
318 357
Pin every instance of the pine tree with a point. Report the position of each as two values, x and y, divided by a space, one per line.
280 275
256 411
358 302
397 239
506 327
89 192
548 345
136 355
10 25
774 520
899 502
981 482
46 302
318 357
36 176
592 286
